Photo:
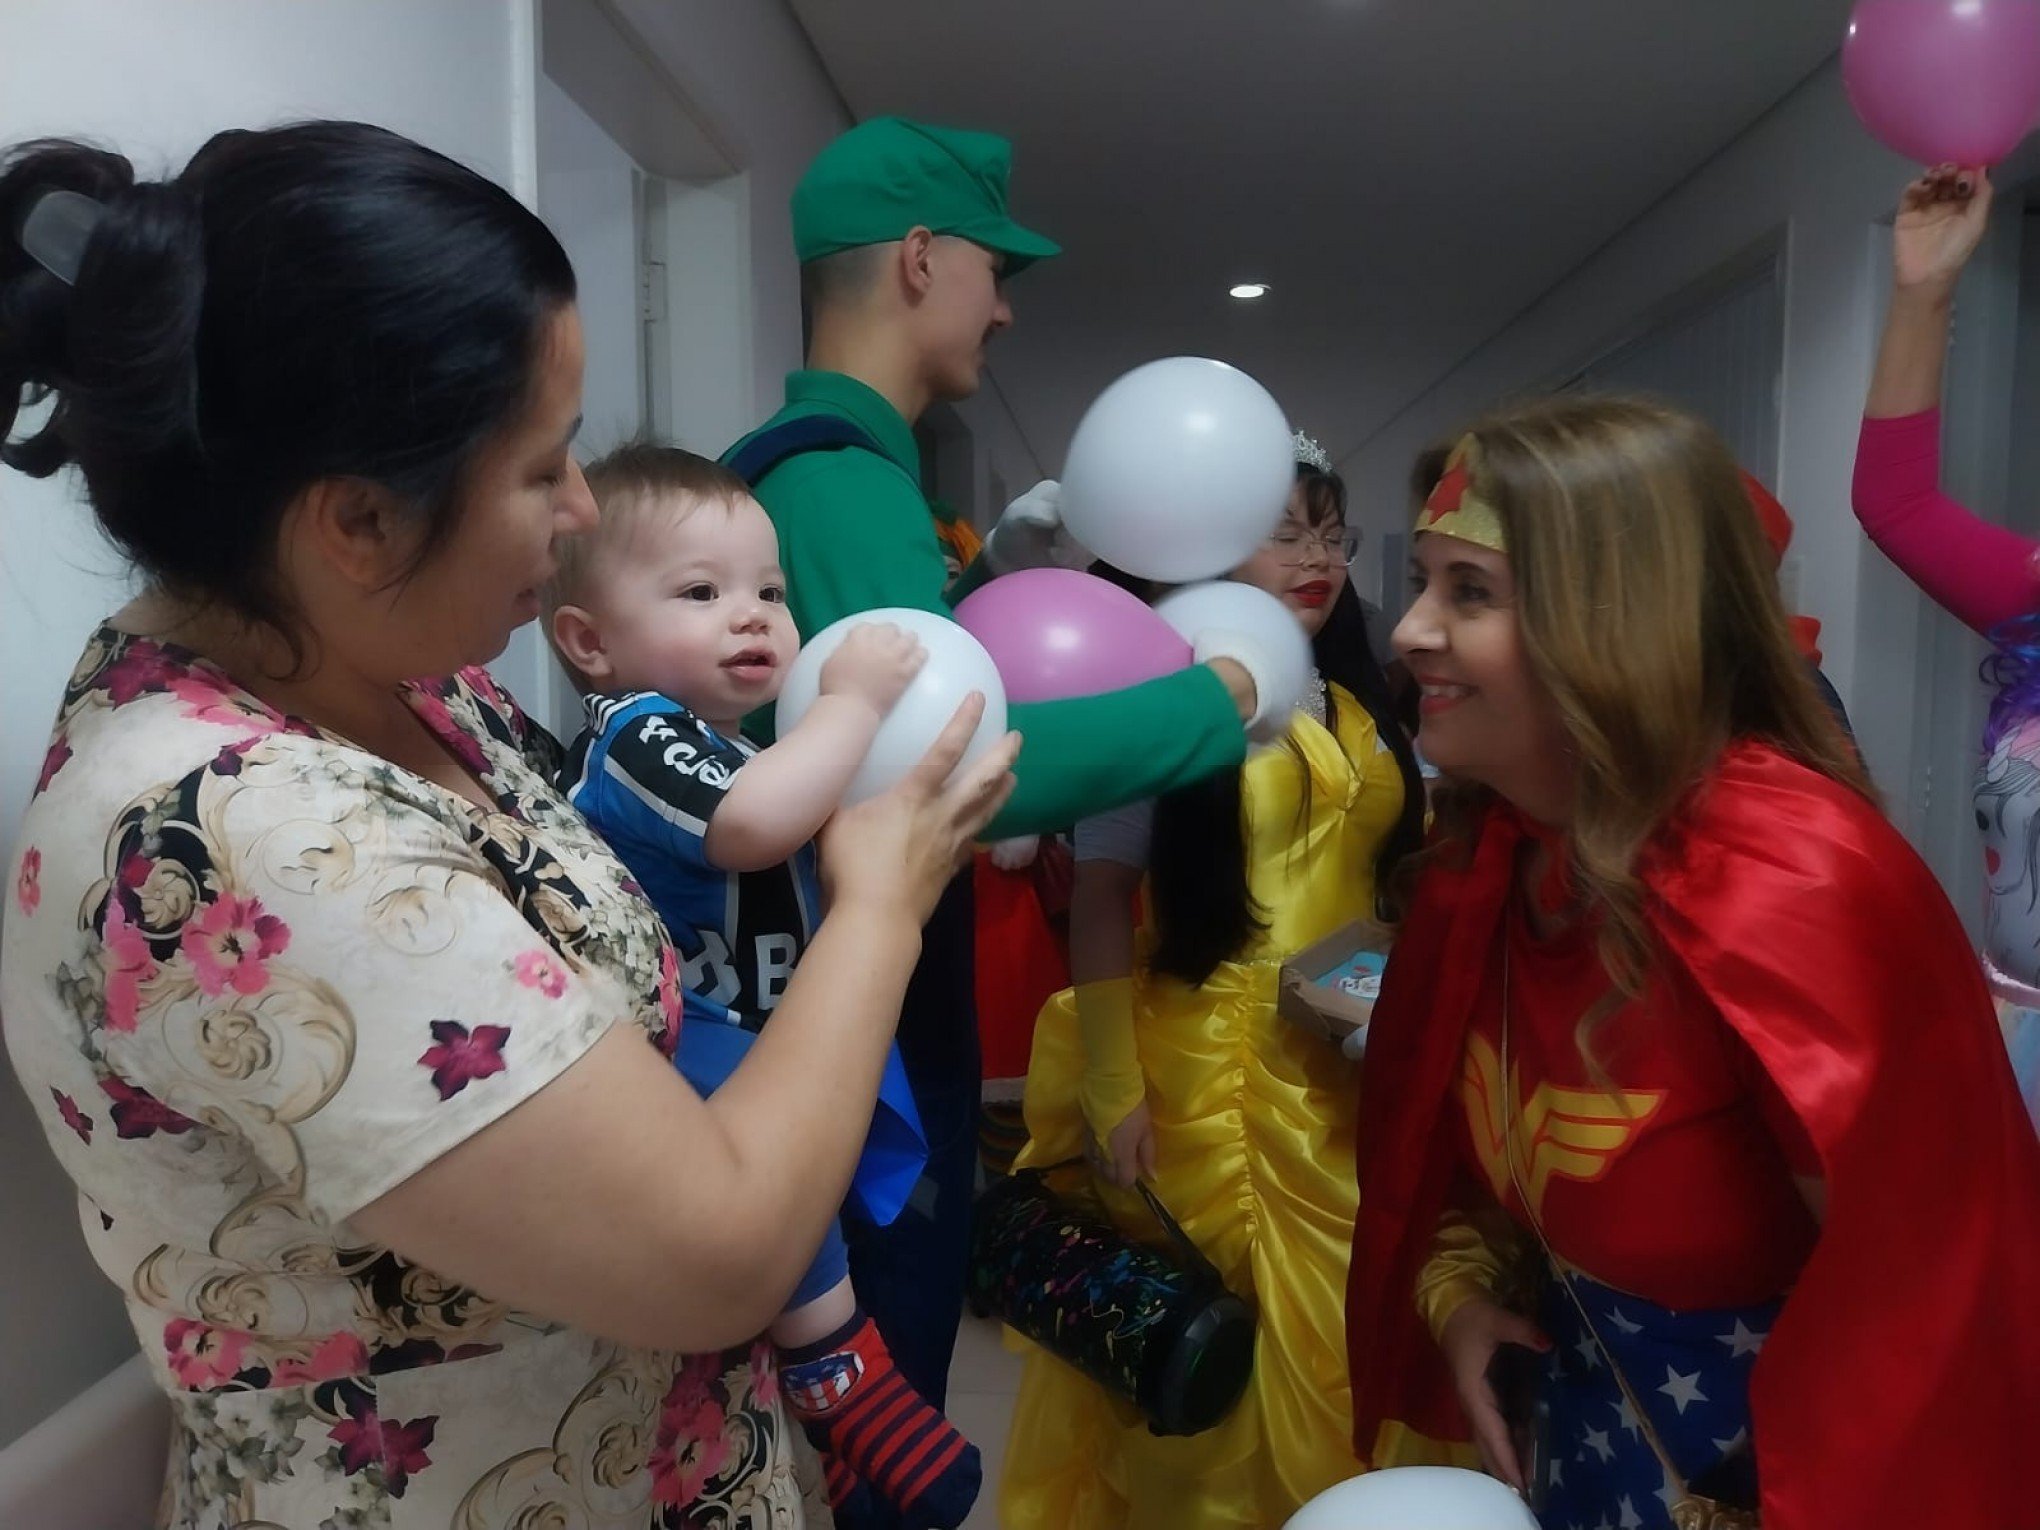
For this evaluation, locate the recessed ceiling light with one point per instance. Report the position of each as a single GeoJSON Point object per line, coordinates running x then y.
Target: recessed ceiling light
{"type": "Point", "coordinates": [1246, 292]}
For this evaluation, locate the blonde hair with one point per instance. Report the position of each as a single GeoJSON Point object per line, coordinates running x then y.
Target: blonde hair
{"type": "Point", "coordinates": [1650, 612]}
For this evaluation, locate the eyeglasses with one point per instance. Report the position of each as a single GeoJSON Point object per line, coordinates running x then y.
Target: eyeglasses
{"type": "Point", "coordinates": [1294, 547]}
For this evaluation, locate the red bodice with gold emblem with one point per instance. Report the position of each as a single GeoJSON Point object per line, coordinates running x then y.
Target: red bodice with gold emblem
{"type": "Point", "coordinates": [1669, 1175]}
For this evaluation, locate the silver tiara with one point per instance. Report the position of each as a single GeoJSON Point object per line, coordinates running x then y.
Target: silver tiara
{"type": "Point", "coordinates": [56, 229]}
{"type": "Point", "coordinates": [1309, 454]}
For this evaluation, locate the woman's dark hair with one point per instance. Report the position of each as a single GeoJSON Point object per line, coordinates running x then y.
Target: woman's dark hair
{"type": "Point", "coordinates": [325, 300]}
{"type": "Point", "coordinates": [1197, 863]}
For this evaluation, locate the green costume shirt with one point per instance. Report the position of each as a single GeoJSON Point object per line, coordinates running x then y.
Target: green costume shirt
{"type": "Point", "coordinates": [856, 534]}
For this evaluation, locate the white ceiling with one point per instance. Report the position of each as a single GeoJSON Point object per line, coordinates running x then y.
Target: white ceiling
{"type": "Point", "coordinates": [1406, 174]}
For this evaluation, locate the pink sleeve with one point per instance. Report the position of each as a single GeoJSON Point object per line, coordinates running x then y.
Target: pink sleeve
{"type": "Point", "coordinates": [1982, 574]}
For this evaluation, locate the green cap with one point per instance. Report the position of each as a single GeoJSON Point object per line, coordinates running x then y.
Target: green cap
{"type": "Point", "coordinates": [889, 175]}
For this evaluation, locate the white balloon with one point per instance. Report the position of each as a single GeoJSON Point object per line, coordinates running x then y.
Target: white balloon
{"type": "Point", "coordinates": [1224, 605]}
{"type": "Point", "coordinates": [1416, 1498]}
{"type": "Point", "coordinates": [957, 664]}
{"type": "Point", "coordinates": [1179, 470]}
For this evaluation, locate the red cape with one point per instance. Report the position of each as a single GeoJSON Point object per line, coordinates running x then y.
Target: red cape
{"type": "Point", "coordinates": [1901, 1385]}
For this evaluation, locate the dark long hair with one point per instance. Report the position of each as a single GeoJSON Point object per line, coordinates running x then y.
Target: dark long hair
{"type": "Point", "coordinates": [1203, 911]}
{"type": "Point", "coordinates": [326, 300]}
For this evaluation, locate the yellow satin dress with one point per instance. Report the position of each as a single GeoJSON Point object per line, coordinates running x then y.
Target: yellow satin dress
{"type": "Point", "coordinates": [1254, 1140]}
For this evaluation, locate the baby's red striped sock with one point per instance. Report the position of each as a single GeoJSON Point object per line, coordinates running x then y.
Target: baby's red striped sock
{"type": "Point", "coordinates": [840, 1484]}
{"type": "Point", "coordinates": [862, 1413]}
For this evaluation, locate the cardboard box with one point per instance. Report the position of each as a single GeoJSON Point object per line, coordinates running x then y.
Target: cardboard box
{"type": "Point", "coordinates": [1329, 987]}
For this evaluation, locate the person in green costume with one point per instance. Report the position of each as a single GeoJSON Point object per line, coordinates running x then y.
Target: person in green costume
{"type": "Point", "coordinates": [905, 247]}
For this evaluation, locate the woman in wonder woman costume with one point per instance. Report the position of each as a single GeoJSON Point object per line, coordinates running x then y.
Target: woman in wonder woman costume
{"type": "Point", "coordinates": [1683, 1080]}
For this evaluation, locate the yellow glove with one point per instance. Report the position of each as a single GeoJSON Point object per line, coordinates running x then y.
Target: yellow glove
{"type": "Point", "coordinates": [1112, 1084]}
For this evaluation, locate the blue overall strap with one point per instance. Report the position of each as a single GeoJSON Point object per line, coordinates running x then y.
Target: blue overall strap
{"type": "Point", "coordinates": [807, 433]}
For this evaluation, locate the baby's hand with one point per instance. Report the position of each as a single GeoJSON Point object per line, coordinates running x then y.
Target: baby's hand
{"type": "Point", "coordinates": [876, 663]}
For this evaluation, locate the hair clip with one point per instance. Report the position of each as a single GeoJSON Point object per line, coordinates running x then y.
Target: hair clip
{"type": "Point", "coordinates": [56, 229]}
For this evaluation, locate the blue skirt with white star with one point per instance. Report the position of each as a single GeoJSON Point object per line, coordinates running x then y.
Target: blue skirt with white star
{"type": "Point", "coordinates": [1689, 1370]}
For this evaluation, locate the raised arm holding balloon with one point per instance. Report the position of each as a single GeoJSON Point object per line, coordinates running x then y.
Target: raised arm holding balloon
{"type": "Point", "coordinates": [1986, 575]}
{"type": "Point", "coordinates": [905, 259]}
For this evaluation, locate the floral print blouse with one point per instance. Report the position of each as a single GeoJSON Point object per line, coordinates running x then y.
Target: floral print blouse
{"type": "Point", "coordinates": [253, 978]}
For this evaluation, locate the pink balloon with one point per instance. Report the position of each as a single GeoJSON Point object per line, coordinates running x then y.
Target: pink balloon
{"type": "Point", "coordinates": [1055, 633]}
{"type": "Point", "coordinates": [1945, 81]}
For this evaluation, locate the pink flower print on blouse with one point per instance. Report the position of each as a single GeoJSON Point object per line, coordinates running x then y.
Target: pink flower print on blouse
{"type": "Point", "coordinates": [129, 964]}
{"type": "Point", "coordinates": [74, 1118]}
{"type": "Point", "coordinates": [342, 1355]}
{"type": "Point", "coordinates": [671, 1004]}
{"type": "Point", "coordinates": [143, 669]}
{"type": "Point", "coordinates": [541, 970]}
{"type": "Point", "coordinates": [201, 1356]}
{"type": "Point", "coordinates": [460, 1056]}
{"type": "Point", "coordinates": [206, 700]}
{"type": "Point", "coordinates": [28, 884]}
{"type": "Point", "coordinates": [228, 761]}
{"type": "Point", "coordinates": [756, 1385]}
{"type": "Point", "coordinates": [691, 1446]}
{"type": "Point", "coordinates": [53, 761]}
{"type": "Point", "coordinates": [484, 685]}
{"type": "Point", "coordinates": [694, 1384]}
{"type": "Point", "coordinates": [395, 1448]}
{"type": "Point", "coordinates": [138, 1113]}
{"type": "Point", "coordinates": [230, 944]}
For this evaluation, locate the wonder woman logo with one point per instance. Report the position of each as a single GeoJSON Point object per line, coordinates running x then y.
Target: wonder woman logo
{"type": "Point", "coordinates": [1574, 1133]}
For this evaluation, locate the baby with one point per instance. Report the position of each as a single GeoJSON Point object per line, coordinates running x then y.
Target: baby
{"type": "Point", "coordinates": [671, 616]}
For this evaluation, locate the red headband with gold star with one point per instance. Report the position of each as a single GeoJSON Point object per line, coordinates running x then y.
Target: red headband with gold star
{"type": "Point", "coordinates": [1458, 508]}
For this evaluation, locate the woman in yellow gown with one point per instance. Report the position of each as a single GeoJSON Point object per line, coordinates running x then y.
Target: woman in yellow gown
{"type": "Point", "coordinates": [1182, 1071]}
